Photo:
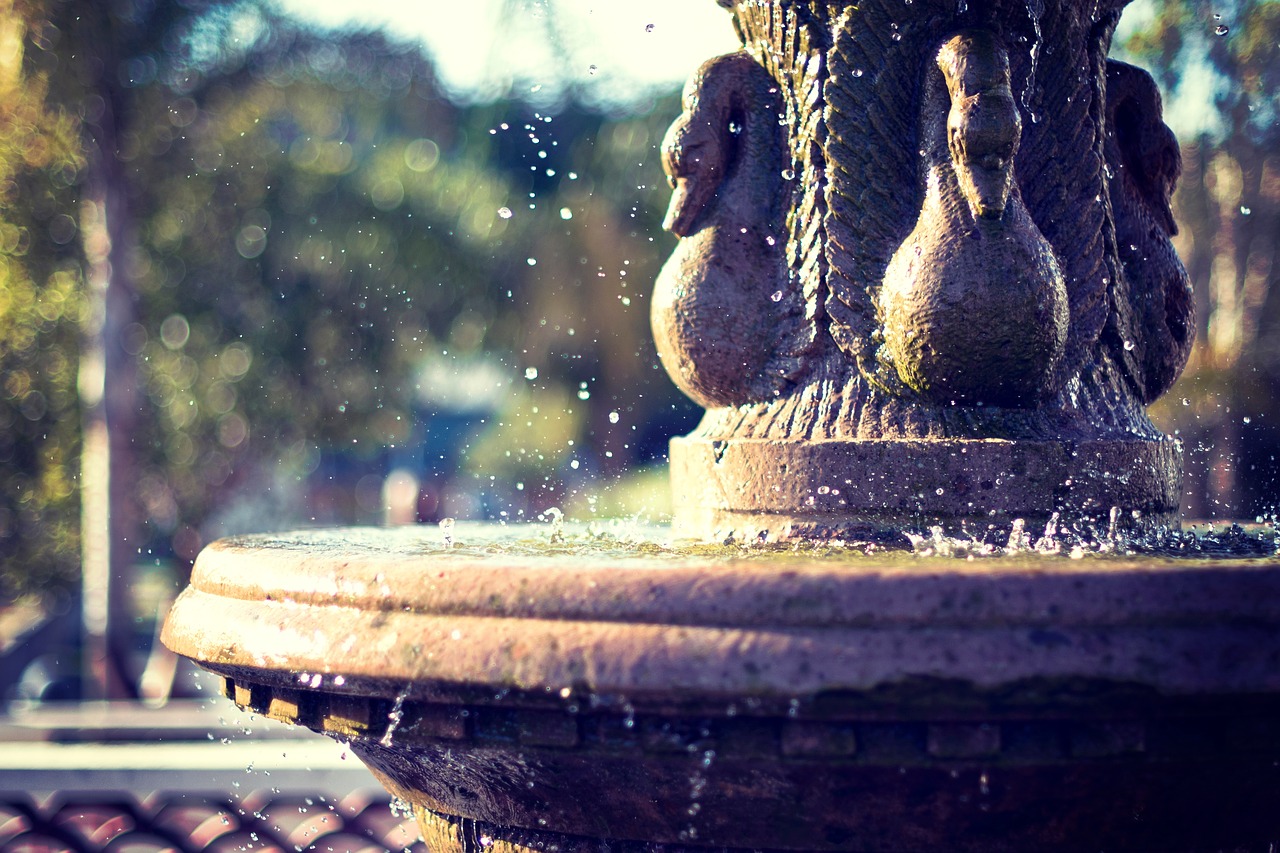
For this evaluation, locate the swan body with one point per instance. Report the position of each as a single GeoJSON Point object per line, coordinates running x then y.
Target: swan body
{"type": "Point", "coordinates": [973, 303]}
{"type": "Point", "coordinates": [719, 300]}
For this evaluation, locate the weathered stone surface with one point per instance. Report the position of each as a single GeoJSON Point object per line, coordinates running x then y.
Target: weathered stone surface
{"type": "Point", "coordinates": [662, 702]}
{"type": "Point", "coordinates": [771, 489]}
{"type": "Point", "coordinates": [972, 243]}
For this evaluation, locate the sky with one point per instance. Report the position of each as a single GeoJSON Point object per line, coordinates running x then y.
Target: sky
{"type": "Point", "coordinates": [614, 50]}
{"type": "Point", "coordinates": [617, 52]}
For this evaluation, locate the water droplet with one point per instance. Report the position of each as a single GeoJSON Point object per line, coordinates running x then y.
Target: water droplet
{"type": "Point", "coordinates": [583, 393]}
{"type": "Point", "coordinates": [1245, 211]}
{"type": "Point", "coordinates": [1186, 402]}
{"type": "Point", "coordinates": [896, 37]}
{"type": "Point", "coordinates": [613, 417]}
{"type": "Point", "coordinates": [396, 714]}
{"type": "Point", "coordinates": [446, 531]}
{"type": "Point", "coordinates": [533, 262]}
{"type": "Point", "coordinates": [566, 213]}
{"type": "Point", "coordinates": [788, 174]}
{"type": "Point", "coordinates": [648, 28]}
{"type": "Point", "coordinates": [531, 373]}
{"type": "Point", "coordinates": [776, 296]}
{"type": "Point", "coordinates": [939, 491]}
{"type": "Point", "coordinates": [1221, 30]}
{"type": "Point", "coordinates": [1248, 419]}
{"type": "Point", "coordinates": [1128, 346]}
{"type": "Point", "coordinates": [857, 72]}
{"type": "Point", "coordinates": [505, 213]}
{"type": "Point", "coordinates": [591, 69]}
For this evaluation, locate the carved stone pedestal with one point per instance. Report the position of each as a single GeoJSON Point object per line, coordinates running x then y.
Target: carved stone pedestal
{"type": "Point", "coordinates": [748, 490]}
{"type": "Point", "coordinates": [924, 248]}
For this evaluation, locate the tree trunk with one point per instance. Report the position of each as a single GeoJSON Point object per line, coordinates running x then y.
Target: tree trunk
{"type": "Point", "coordinates": [112, 519]}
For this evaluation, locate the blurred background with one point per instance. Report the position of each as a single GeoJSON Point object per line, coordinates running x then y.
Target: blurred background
{"type": "Point", "coordinates": [316, 262]}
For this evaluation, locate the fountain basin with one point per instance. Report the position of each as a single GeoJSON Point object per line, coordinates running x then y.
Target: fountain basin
{"type": "Point", "coordinates": [593, 693]}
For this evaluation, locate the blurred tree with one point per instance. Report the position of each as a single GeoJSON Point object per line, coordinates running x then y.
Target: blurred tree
{"type": "Point", "coordinates": [108, 55]}
{"type": "Point", "coordinates": [309, 220]}
{"type": "Point", "coordinates": [279, 229]}
{"type": "Point", "coordinates": [1228, 208]}
{"type": "Point", "coordinates": [40, 312]}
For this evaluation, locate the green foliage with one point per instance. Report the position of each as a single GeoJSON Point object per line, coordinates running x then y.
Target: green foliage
{"type": "Point", "coordinates": [1222, 54]}
{"type": "Point", "coordinates": [304, 223]}
{"type": "Point", "coordinates": [313, 225]}
{"type": "Point", "coordinates": [1219, 67]}
{"type": "Point", "coordinates": [40, 306]}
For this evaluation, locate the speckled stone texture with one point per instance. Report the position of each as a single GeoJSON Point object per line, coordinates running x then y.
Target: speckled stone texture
{"type": "Point", "coordinates": [544, 696]}
{"type": "Point", "coordinates": [942, 223]}
{"type": "Point", "coordinates": [748, 490]}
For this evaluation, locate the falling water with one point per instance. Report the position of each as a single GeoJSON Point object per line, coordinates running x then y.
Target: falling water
{"type": "Point", "coordinates": [1035, 9]}
{"type": "Point", "coordinates": [395, 715]}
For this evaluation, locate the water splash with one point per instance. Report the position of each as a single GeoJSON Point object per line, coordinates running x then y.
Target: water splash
{"type": "Point", "coordinates": [624, 540]}
{"type": "Point", "coordinates": [697, 787]}
{"type": "Point", "coordinates": [555, 517]}
{"type": "Point", "coordinates": [1048, 543]}
{"type": "Point", "coordinates": [1019, 540]}
{"type": "Point", "coordinates": [395, 715]}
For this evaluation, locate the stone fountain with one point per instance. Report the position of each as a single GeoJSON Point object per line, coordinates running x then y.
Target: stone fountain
{"type": "Point", "coordinates": [924, 280]}
{"type": "Point", "coordinates": [924, 274]}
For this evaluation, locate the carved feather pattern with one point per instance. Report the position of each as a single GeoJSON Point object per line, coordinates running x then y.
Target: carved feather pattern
{"type": "Point", "coordinates": [788, 40]}
{"type": "Point", "coordinates": [853, 142]}
{"type": "Point", "coordinates": [874, 190]}
{"type": "Point", "coordinates": [1060, 166]}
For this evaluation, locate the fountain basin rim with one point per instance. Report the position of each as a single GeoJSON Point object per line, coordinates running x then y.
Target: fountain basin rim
{"type": "Point", "coordinates": [686, 663]}
{"type": "Point", "coordinates": [719, 629]}
{"type": "Point", "coordinates": [337, 568]}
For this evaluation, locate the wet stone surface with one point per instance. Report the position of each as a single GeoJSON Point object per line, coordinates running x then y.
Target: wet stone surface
{"type": "Point", "coordinates": [558, 687]}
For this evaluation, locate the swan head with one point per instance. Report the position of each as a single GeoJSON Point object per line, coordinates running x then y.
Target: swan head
{"type": "Point", "coordinates": [983, 125]}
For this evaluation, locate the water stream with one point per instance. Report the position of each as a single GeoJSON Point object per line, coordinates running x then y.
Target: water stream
{"type": "Point", "coordinates": [624, 540]}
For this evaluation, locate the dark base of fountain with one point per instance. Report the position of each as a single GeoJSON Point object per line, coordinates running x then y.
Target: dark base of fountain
{"type": "Point", "coordinates": [587, 697]}
{"type": "Point", "coordinates": [1062, 767]}
{"type": "Point", "coordinates": [856, 490]}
